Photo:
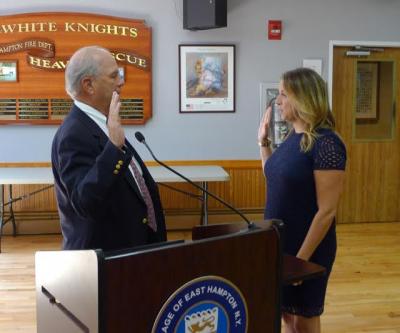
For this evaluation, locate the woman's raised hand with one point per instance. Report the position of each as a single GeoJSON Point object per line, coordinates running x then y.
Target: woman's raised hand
{"type": "Point", "coordinates": [263, 130]}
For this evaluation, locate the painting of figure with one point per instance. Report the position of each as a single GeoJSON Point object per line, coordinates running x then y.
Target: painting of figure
{"type": "Point", "coordinates": [206, 78]}
{"type": "Point", "coordinates": [207, 75]}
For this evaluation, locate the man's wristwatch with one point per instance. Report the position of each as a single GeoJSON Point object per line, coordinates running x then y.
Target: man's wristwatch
{"type": "Point", "coordinates": [265, 142]}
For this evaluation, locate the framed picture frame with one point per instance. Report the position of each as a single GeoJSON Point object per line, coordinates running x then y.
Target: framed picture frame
{"type": "Point", "coordinates": [279, 128]}
{"type": "Point", "coordinates": [268, 92]}
{"type": "Point", "coordinates": [206, 78]}
{"type": "Point", "coordinates": [8, 70]}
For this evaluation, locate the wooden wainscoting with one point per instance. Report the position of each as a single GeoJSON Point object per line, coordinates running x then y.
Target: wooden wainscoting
{"type": "Point", "coordinates": [245, 191]}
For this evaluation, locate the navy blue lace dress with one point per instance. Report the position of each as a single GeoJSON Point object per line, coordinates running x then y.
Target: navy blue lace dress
{"type": "Point", "coordinates": [291, 197]}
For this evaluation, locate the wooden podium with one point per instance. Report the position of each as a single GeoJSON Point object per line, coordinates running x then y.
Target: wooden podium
{"type": "Point", "coordinates": [237, 276]}
{"type": "Point", "coordinates": [293, 269]}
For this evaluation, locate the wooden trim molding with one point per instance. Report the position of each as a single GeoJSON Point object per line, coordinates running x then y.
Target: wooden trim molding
{"type": "Point", "coordinates": [25, 164]}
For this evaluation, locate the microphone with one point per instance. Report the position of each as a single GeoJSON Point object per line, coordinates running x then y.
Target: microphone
{"type": "Point", "coordinates": [139, 136]}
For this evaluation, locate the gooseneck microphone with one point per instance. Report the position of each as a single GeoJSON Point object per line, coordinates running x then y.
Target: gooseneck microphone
{"type": "Point", "coordinates": [139, 136]}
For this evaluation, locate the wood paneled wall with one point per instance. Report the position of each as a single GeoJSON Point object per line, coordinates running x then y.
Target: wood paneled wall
{"type": "Point", "coordinates": [245, 191]}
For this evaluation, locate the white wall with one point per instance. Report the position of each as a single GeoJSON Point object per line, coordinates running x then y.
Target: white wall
{"type": "Point", "coordinates": [308, 25]}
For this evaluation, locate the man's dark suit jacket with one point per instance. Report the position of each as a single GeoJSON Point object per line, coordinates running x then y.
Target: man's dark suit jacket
{"type": "Point", "coordinates": [99, 203]}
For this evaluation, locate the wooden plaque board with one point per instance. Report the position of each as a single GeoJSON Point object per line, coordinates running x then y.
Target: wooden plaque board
{"type": "Point", "coordinates": [35, 48]}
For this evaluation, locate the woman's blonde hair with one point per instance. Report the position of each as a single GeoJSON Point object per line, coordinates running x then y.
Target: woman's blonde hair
{"type": "Point", "coordinates": [307, 92]}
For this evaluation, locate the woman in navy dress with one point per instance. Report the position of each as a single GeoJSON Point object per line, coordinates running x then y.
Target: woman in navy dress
{"type": "Point", "coordinates": [304, 181]}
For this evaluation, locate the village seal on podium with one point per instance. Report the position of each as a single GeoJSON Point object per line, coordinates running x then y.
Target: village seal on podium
{"type": "Point", "coordinates": [208, 304]}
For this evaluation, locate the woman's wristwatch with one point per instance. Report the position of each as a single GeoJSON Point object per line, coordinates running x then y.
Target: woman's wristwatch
{"type": "Point", "coordinates": [265, 142]}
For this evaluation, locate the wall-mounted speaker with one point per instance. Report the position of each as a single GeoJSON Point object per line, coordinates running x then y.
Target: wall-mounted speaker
{"type": "Point", "coordinates": [204, 14]}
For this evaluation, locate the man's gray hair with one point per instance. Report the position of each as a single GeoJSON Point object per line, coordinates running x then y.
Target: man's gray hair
{"type": "Point", "coordinates": [84, 62]}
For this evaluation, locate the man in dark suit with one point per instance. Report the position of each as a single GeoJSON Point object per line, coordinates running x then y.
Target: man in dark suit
{"type": "Point", "coordinates": [101, 200]}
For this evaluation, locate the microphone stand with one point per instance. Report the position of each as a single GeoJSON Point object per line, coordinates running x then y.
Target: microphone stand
{"type": "Point", "coordinates": [141, 139]}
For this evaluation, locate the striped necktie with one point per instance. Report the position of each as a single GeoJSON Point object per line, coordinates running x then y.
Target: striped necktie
{"type": "Point", "coordinates": [151, 216]}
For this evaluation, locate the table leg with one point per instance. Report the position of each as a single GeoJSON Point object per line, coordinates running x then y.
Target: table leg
{"type": "Point", "coordinates": [205, 204]}
{"type": "Point", "coordinates": [12, 216]}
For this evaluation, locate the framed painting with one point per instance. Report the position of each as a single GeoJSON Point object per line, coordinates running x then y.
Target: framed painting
{"type": "Point", "coordinates": [206, 78]}
{"type": "Point", "coordinates": [8, 70]}
{"type": "Point", "coordinates": [268, 94]}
